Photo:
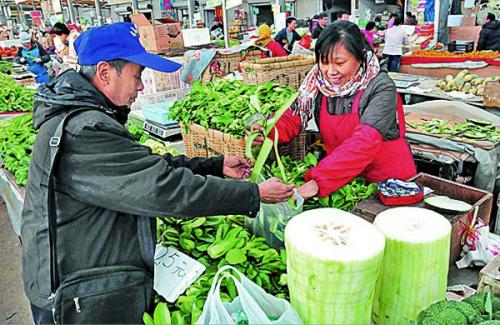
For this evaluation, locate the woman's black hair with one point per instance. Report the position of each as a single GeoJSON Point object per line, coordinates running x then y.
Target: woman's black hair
{"type": "Point", "coordinates": [342, 33]}
{"type": "Point", "coordinates": [397, 21]}
{"type": "Point", "coordinates": [60, 29]}
{"type": "Point", "coordinates": [370, 25]}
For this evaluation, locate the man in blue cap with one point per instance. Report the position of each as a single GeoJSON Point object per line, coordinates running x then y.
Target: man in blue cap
{"type": "Point", "coordinates": [88, 244]}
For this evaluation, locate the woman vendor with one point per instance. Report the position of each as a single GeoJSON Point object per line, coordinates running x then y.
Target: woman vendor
{"type": "Point", "coordinates": [357, 110]}
{"type": "Point", "coordinates": [265, 40]}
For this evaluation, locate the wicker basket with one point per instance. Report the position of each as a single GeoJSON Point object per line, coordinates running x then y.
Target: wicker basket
{"type": "Point", "coordinates": [287, 71]}
{"type": "Point", "coordinates": [200, 142]}
{"type": "Point", "coordinates": [223, 64]}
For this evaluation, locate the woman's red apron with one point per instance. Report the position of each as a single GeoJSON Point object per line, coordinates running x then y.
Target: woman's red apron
{"type": "Point", "coordinates": [394, 158]}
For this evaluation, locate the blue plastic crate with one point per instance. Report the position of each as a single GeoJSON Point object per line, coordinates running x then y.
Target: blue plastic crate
{"type": "Point", "coordinates": [158, 113]}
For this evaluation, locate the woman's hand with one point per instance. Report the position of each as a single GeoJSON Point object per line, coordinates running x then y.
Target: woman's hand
{"type": "Point", "coordinates": [260, 139]}
{"type": "Point", "coordinates": [308, 190]}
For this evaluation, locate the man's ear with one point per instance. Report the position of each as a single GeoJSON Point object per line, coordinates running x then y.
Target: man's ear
{"type": "Point", "coordinates": [103, 73]}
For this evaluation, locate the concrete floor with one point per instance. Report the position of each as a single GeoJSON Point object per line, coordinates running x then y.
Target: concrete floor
{"type": "Point", "coordinates": [14, 306]}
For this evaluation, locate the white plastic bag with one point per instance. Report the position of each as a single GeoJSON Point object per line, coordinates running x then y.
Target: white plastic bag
{"type": "Point", "coordinates": [252, 305]}
{"type": "Point", "coordinates": [272, 219]}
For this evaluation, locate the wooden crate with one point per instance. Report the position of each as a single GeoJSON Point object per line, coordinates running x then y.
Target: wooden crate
{"type": "Point", "coordinates": [490, 277]}
{"type": "Point", "coordinates": [201, 142]}
{"type": "Point", "coordinates": [491, 98]}
{"type": "Point", "coordinates": [370, 208]}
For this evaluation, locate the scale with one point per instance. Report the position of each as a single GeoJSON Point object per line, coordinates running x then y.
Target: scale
{"type": "Point", "coordinates": [161, 131]}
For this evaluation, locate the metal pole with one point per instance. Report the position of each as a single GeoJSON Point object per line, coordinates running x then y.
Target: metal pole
{"type": "Point", "coordinates": [21, 15]}
{"type": "Point", "coordinates": [71, 10]}
{"type": "Point", "coordinates": [190, 4]}
{"type": "Point", "coordinates": [98, 12]}
{"type": "Point", "coordinates": [135, 5]}
{"type": "Point", "coordinates": [224, 22]}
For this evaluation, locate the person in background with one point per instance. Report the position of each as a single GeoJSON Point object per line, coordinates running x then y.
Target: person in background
{"type": "Point", "coordinates": [357, 110]}
{"type": "Point", "coordinates": [395, 38]}
{"type": "Point", "coordinates": [313, 23]}
{"type": "Point", "coordinates": [288, 36]}
{"type": "Point", "coordinates": [65, 49]}
{"type": "Point", "coordinates": [390, 23]}
{"type": "Point", "coordinates": [322, 21]}
{"type": "Point", "coordinates": [217, 29]}
{"type": "Point", "coordinates": [369, 32]}
{"type": "Point", "coordinates": [340, 15]}
{"type": "Point", "coordinates": [489, 37]}
{"type": "Point", "coordinates": [48, 42]}
{"type": "Point", "coordinates": [411, 19]}
{"type": "Point", "coordinates": [34, 56]}
{"type": "Point", "coordinates": [265, 40]}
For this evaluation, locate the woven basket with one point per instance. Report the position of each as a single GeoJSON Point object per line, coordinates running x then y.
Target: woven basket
{"type": "Point", "coordinates": [200, 142]}
{"type": "Point", "coordinates": [223, 64]}
{"type": "Point", "coordinates": [287, 71]}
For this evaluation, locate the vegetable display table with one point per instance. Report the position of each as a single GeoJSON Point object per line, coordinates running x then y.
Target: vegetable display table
{"type": "Point", "coordinates": [370, 208]}
{"type": "Point", "coordinates": [13, 196]}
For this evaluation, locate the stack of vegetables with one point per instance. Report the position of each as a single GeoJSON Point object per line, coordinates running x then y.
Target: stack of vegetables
{"type": "Point", "coordinates": [414, 269]}
{"type": "Point", "coordinates": [6, 52]}
{"type": "Point", "coordinates": [14, 97]}
{"type": "Point", "coordinates": [229, 106]}
{"type": "Point", "coordinates": [481, 308]}
{"type": "Point", "coordinates": [17, 137]}
{"type": "Point", "coordinates": [6, 67]}
{"type": "Point", "coordinates": [465, 82]}
{"type": "Point", "coordinates": [470, 129]}
{"type": "Point", "coordinates": [333, 259]}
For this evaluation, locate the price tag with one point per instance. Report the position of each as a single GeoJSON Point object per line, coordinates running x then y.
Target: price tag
{"type": "Point", "coordinates": [174, 272]}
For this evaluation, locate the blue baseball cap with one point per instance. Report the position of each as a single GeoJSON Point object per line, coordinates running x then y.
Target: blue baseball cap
{"type": "Point", "coordinates": [118, 41]}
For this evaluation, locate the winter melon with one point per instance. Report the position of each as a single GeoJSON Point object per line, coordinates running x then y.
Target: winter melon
{"type": "Point", "coordinates": [415, 266]}
{"type": "Point", "coordinates": [333, 259]}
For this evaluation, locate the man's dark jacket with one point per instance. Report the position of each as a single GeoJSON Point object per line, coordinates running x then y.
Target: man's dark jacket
{"type": "Point", "coordinates": [489, 37]}
{"type": "Point", "coordinates": [282, 39]}
{"type": "Point", "coordinates": [103, 180]}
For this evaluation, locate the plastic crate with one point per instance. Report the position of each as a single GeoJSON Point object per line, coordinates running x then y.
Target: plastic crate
{"type": "Point", "coordinates": [158, 113]}
{"type": "Point", "coordinates": [461, 46]}
{"type": "Point", "coordinates": [161, 97]}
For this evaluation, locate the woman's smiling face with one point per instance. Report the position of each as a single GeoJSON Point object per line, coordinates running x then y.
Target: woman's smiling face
{"type": "Point", "coordinates": [340, 66]}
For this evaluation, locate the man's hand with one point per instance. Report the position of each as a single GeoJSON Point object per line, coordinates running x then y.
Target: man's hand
{"type": "Point", "coordinates": [308, 190]}
{"type": "Point", "coordinates": [274, 190]}
{"type": "Point", "coordinates": [236, 167]}
{"type": "Point", "coordinates": [38, 60]}
{"type": "Point", "coordinates": [22, 60]}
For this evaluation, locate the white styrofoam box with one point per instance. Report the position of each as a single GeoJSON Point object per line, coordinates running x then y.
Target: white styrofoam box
{"type": "Point", "coordinates": [160, 97]}
{"type": "Point", "coordinates": [455, 20]}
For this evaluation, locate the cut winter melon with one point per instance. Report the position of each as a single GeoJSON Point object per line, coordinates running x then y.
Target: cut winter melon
{"type": "Point", "coordinates": [333, 259]}
{"type": "Point", "coordinates": [448, 205]}
{"type": "Point", "coordinates": [415, 265]}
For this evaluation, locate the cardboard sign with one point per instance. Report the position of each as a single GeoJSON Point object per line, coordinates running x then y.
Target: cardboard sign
{"type": "Point", "coordinates": [195, 36]}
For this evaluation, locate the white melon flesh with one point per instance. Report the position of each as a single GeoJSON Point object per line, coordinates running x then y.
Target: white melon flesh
{"type": "Point", "coordinates": [333, 259]}
{"type": "Point", "coordinates": [415, 265]}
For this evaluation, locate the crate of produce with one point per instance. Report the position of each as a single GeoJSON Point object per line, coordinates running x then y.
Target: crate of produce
{"type": "Point", "coordinates": [370, 208]}
{"type": "Point", "coordinates": [287, 71]}
{"type": "Point", "coordinates": [223, 64]}
{"type": "Point", "coordinates": [201, 142]}
{"type": "Point", "coordinates": [491, 95]}
{"type": "Point", "coordinates": [461, 46]}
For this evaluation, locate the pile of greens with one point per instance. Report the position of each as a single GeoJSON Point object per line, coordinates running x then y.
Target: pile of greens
{"type": "Point", "coordinates": [481, 308]}
{"type": "Point", "coordinates": [215, 242]}
{"type": "Point", "coordinates": [137, 132]}
{"type": "Point", "coordinates": [229, 106]}
{"type": "Point", "coordinates": [471, 129]}
{"type": "Point", "coordinates": [17, 137]}
{"type": "Point", "coordinates": [344, 198]}
{"type": "Point", "coordinates": [6, 67]}
{"type": "Point", "coordinates": [14, 97]}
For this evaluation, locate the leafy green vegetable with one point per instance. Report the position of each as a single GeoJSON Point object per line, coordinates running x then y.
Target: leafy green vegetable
{"type": "Point", "coordinates": [228, 106]}
{"type": "Point", "coordinates": [14, 97]}
{"type": "Point", "coordinates": [476, 130]}
{"type": "Point", "coordinates": [137, 132]}
{"type": "Point", "coordinates": [17, 137]}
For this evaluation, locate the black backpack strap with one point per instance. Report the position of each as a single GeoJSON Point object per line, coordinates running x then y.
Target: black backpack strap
{"type": "Point", "coordinates": [143, 223]}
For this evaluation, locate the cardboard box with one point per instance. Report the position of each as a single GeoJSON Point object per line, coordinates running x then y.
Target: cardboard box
{"type": "Point", "coordinates": [158, 37]}
{"type": "Point", "coordinates": [469, 20]}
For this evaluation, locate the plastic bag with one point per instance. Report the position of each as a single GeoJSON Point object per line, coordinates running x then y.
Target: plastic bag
{"type": "Point", "coordinates": [252, 306]}
{"type": "Point", "coordinates": [271, 220]}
